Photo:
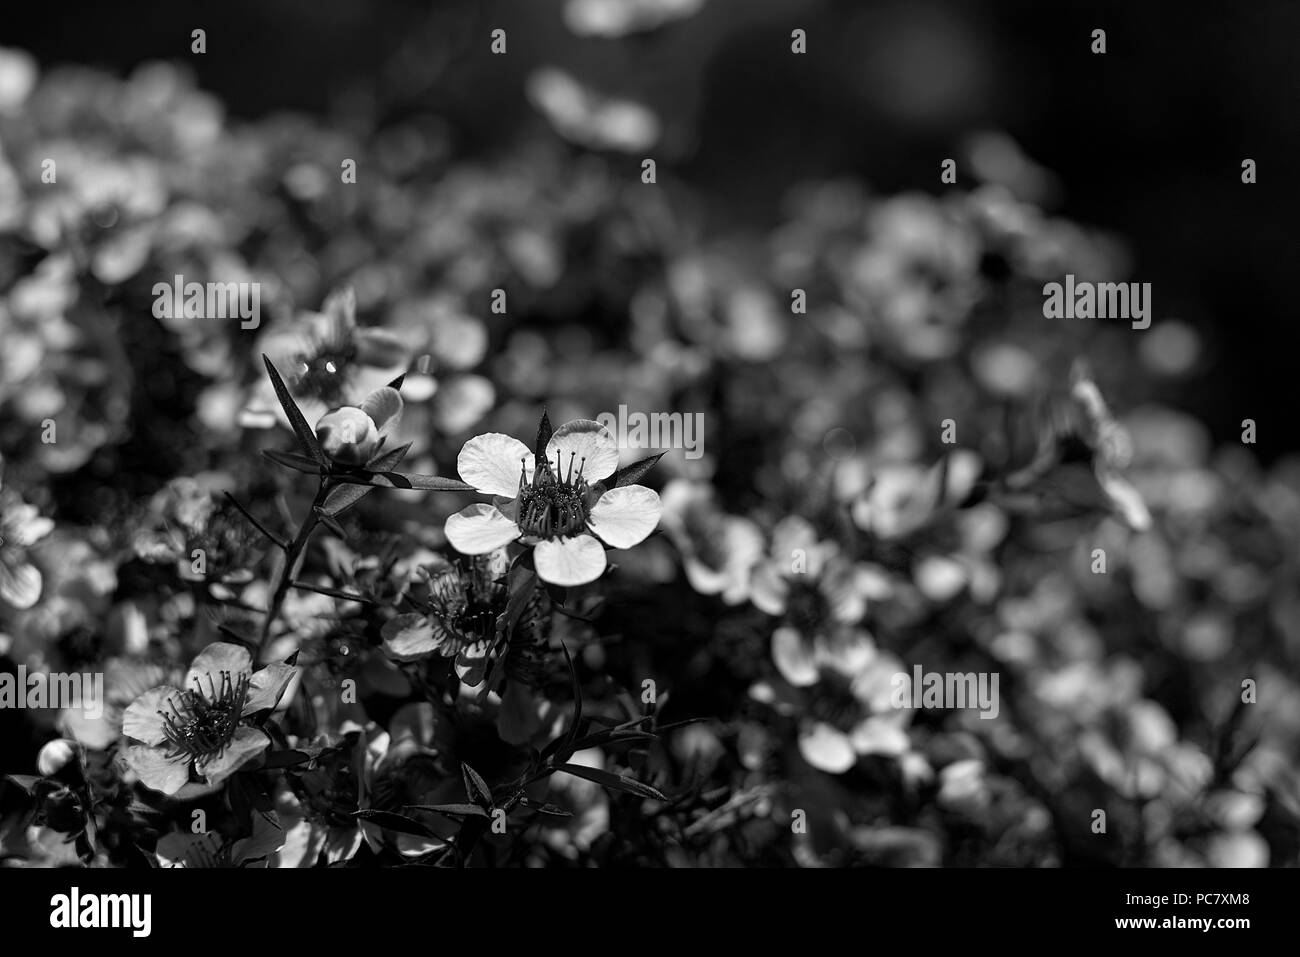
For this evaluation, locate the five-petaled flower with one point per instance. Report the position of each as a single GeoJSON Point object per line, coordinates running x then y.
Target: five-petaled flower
{"type": "Point", "coordinates": [459, 618]}
{"type": "Point", "coordinates": [202, 726]}
{"type": "Point", "coordinates": [554, 501]}
{"type": "Point", "coordinates": [838, 685]}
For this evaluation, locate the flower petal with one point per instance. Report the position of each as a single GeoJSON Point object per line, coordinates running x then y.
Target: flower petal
{"type": "Point", "coordinates": [479, 529]}
{"type": "Point", "coordinates": [880, 734]}
{"type": "Point", "coordinates": [216, 658]}
{"type": "Point", "coordinates": [705, 580]}
{"type": "Point", "coordinates": [20, 584]}
{"type": "Point", "coordinates": [380, 347]}
{"type": "Point", "coordinates": [846, 588]}
{"type": "Point", "coordinates": [743, 545]}
{"type": "Point", "coordinates": [458, 340]}
{"type": "Point", "coordinates": [463, 402]}
{"type": "Point", "coordinates": [623, 517]}
{"type": "Point", "coordinates": [347, 434]}
{"type": "Point", "coordinates": [520, 716]}
{"type": "Point", "coordinates": [156, 770]}
{"type": "Point", "coordinates": [768, 588]}
{"type": "Point", "coordinates": [266, 839]}
{"type": "Point", "coordinates": [141, 719]}
{"type": "Point", "coordinates": [491, 463]}
{"type": "Point", "coordinates": [1124, 498]}
{"type": "Point", "coordinates": [383, 405]}
{"type": "Point", "coordinates": [827, 748]}
{"type": "Point", "coordinates": [849, 651]}
{"type": "Point", "coordinates": [302, 844]}
{"type": "Point", "coordinates": [569, 561]}
{"type": "Point", "coordinates": [793, 532]}
{"type": "Point", "coordinates": [585, 442]}
{"type": "Point", "coordinates": [409, 636]}
{"type": "Point", "coordinates": [247, 744]}
{"type": "Point", "coordinates": [794, 657]}
{"type": "Point", "coordinates": [32, 528]}
{"type": "Point", "coordinates": [341, 844]}
{"type": "Point", "coordinates": [267, 685]}
{"type": "Point", "coordinates": [471, 664]}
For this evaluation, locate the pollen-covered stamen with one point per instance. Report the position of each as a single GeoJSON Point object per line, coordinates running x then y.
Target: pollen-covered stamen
{"type": "Point", "coordinates": [555, 503]}
{"type": "Point", "coordinates": [202, 723]}
{"type": "Point", "coordinates": [478, 622]}
{"type": "Point", "coordinates": [807, 608]}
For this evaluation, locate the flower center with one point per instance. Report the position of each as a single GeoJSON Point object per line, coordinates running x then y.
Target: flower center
{"type": "Point", "coordinates": [806, 608]}
{"type": "Point", "coordinates": [478, 622]}
{"type": "Point", "coordinates": [201, 724]}
{"type": "Point", "coordinates": [467, 603]}
{"type": "Point", "coordinates": [555, 504]}
{"type": "Point", "coordinates": [834, 701]}
{"type": "Point", "coordinates": [322, 370]}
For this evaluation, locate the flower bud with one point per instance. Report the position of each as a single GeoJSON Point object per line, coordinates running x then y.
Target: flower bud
{"type": "Point", "coordinates": [347, 435]}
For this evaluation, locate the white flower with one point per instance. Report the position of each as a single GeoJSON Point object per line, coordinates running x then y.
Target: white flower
{"type": "Point", "coordinates": [840, 687]}
{"type": "Point", "coordinates": [811, 575]}
{"type": "Point", "coordinates": [718, 550]}
{"type": "Point", "coordinates": [560, 508]}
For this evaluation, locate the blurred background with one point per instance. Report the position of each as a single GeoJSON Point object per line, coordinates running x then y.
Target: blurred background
{"type": "Point", "coordinates": [1146, 140]}
{"type": "Point", "coordinates": [478, 173]}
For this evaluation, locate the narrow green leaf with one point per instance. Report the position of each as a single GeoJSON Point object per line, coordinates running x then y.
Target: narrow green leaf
{"type": "Point", "coordinates": [306, 436]}
{"type": "Point", "coordinates": [577, 700]}
{"type": "Point", "coordinates": [293, 460]}
{"type": "Point", "coordinates": [328, 521]}
{"type": "Point", "coordinates": [394, 822]}
{"type": "Point", "coordinates": [476, 787]}
{"type": "Point", "coordinates": [285, 759]}
{"type": "Point", "coordinates": [332, 593]}
{"type": "Point", "coordinates": [390, 459]}
{"type": "Point", "coordinates": [629, 474]}
{"type": "Point", "coordinates": [463, 810]}
{"type": "Point", "coordinates": [611, 737]}
{"type": "Point", "coordinates": [615, 782]}
{"type": "Point", "coordinates": [429, 483]}
{"type": "Point", "coordinates": [25, 781]}
{"type": "Point", "coordinates": [544, 433]}
{"type": "Point", "coordinates": [343, 497]}
{"type": "Point", "coordinates": [550, 809]}
{"type": "Point", "coordinates": [256, 524]}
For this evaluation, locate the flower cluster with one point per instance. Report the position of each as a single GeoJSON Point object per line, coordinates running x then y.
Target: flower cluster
{"type": "Point", "coordinates": [336, 601]}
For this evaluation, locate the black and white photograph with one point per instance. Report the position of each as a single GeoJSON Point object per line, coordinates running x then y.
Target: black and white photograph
{"type": "Point", "coordinates": [444, 435]}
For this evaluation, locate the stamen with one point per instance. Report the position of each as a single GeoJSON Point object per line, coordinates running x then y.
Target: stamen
{"type": "Point", "coordinates": [555, 503]}
{"type": "Point", "coordinates": [201, 725]}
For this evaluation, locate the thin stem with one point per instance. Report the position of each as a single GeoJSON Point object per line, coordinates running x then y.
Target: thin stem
{"type": "Point", "coordinates": [256, 524]}
{"type": "Point", "coordinates": [292, 557]}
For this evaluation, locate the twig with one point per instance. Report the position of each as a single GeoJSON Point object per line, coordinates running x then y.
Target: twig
{"type": "Point", "coordinates": [293, 553]}
{"type": "Point", "coordinates": [283, 545]}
